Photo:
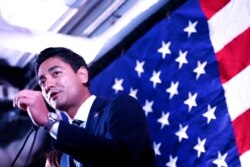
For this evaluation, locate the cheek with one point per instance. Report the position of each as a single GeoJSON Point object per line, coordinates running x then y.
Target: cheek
{"type": "Point", "coordinates": [70, 82]}
{"type": "Point", "coordinates": [75, 89]}
{"type": "Point", "coordinates": [71, 85]}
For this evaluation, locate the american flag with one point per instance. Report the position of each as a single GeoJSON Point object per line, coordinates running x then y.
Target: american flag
{"type": "Point", "coordinates": [190, 73]}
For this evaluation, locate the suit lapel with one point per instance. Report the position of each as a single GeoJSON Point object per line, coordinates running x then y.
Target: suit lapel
{"type": "Point", "coordinates": [95, 113]}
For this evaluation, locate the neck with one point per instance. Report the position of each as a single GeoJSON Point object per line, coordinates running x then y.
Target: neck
{"type": "Point", "coordinates": [73, 110]}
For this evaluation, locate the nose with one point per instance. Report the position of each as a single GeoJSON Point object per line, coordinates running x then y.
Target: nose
{"type": "Point", "coordinates": [50, 83]}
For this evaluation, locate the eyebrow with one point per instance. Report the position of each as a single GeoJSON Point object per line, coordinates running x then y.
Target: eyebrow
{"type": "Point", "coordinates": [49, 70]}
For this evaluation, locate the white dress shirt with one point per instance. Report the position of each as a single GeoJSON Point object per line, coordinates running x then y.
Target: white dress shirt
{"type": "Point", "coordinates": [82, 115]}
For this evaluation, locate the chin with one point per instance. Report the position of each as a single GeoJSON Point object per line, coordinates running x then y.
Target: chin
{"type": "Point", "coordinates": [60, 107]}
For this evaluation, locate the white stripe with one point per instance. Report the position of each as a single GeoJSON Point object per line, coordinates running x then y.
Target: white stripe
{"type": "Point", "coordinates": [229, 22]}
{"type": "Point", "coordinates": [245, 159]}
{"type": "Point", "coordinates": [237, 93]}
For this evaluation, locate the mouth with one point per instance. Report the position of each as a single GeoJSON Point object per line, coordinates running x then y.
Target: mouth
{"type": "Point", "coordinates": [53, 95]}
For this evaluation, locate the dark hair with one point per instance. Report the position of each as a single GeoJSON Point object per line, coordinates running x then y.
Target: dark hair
{"type": "Point", "coordinates": [68, 56]}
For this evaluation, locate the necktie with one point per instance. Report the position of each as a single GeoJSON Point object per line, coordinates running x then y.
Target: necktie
{"type": "Point", "coordinates": [80, 124]}
{"type": "Point", "coordinates": [67, 160]}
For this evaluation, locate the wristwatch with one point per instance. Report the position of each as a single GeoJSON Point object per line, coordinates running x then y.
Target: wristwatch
{"type": "Point", "coordinates": [52, 119]}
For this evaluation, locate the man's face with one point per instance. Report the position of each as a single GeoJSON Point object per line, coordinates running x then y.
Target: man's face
{"type": "Point", "coordinates": [61, 87]}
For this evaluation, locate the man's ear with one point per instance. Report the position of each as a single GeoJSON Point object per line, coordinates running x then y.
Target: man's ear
{"type": "Point", "coordinates": [83, 74]}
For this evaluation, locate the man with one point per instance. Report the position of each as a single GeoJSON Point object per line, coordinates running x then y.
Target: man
{"type": "Point", "coordinates": [114, 132]}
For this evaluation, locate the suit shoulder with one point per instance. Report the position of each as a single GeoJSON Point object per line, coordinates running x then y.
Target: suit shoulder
{"type": "Point", "coordinates": [125, 98]}
{"type": "Point", "coordinates": [126, 102]}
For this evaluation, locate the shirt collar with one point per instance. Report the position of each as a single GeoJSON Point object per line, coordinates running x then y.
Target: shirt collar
{"type": "Point", "coordinates": [83, 112]}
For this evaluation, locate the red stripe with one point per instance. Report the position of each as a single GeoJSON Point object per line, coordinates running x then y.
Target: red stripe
{"type": "Point", "coordinates": [234, 57]}
{"type": "Point", "coordinates": [242, 132]}
{"type": "Point", "coordinates": [210, 7]}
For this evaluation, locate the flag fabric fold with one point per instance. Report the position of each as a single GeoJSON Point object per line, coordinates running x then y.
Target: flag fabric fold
{"type": "Point", "coordinates": [188, 85]}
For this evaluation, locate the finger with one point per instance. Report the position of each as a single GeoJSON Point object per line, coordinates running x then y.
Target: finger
{"type": "Point", "coordinates": [15, 100]}
{"type": "Point", "coordinates": [19, 95]}
{"type": "Point", "coordinates": [21, 101]}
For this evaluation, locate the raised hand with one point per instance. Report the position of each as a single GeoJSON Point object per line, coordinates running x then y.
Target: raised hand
{"type": "Point", "coordinates": [32, 102]}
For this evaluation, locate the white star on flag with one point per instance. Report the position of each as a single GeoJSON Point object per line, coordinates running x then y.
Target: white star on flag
{"type": "Point", "coordinates": [173, 89]}
{"type": "Point", "coordinates": [191, 28]}
{"type": "Point", "coordinates": [139, 67]}
{"type": "Point", "coordinates": [182, 58]}
{"type": "Point", "coordinates": [172, 161]}
{"type": "Point", "coordinates": [133, 92]}
{"type": "Point", "coordinates": [118, 85]}
{"type": "Point", "coordinates": [191, 101]}
{"type": "Point", "coordinates": [200, 146]}
{"type": "Point", "coordinates": [164, 50]}
{"type": "Point", "coordinates": [148, 107]}
{"type": "Point", "coordinates": [210, 113]}
{"type": "Point", "coordinates": [200, 69]}
{"type": "Point", "coordinates": [157, 148]}
{"type": "Point", "coordinates": [220, 161]}
{"type": "Point", "coordinates": [182, 132]}
{"type": "Point", "coordinates": [164, 119]}
{"type": "Point", "coordinates": [156, 78]}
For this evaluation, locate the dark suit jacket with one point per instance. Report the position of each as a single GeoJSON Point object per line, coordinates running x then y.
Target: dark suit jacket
{"type": "Point", "coordinates": [116, 135]}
